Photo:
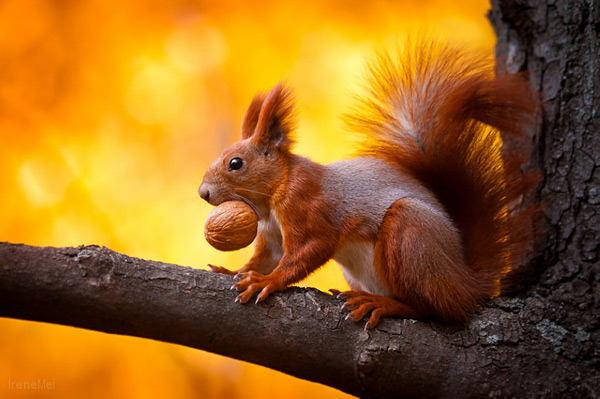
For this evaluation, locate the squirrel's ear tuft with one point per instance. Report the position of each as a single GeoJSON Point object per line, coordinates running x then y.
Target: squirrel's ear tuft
{"type": "Point", "coordinates": [275, 119]}
{"type": "Point", "coordinates": [251, 116]}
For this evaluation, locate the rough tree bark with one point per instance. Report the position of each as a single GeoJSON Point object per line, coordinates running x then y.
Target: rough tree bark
{"type": "Point", "coordinates": [558, 43]}
{"type": "Point", "coordinates": [542, 341]}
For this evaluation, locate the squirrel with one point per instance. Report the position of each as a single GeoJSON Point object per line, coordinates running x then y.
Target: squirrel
{"type": "Point", "coordinates": [424, 221]}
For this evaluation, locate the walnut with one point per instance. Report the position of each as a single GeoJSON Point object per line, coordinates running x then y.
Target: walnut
{"type": "Point", "coordinates": [231, 226]}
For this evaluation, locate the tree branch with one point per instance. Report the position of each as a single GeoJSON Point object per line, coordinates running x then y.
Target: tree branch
{"type": "Point", "coordinates": [301, 331]}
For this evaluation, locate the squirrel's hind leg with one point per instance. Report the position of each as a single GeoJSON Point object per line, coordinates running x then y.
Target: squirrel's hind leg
{"type": "Point", "coordinates": [418, 258]}
{"type": "Point", "coordinates": [418, 254]}
{"type": "Point", "coordinates": [361, 302]}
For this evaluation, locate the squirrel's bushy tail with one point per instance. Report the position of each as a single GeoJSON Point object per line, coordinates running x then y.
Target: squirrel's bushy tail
{"type": "Point", "coordinates": [435, 112]}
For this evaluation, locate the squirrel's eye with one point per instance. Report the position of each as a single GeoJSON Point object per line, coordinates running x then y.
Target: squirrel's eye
{"type": "Point", "coordinates": [235, 164]}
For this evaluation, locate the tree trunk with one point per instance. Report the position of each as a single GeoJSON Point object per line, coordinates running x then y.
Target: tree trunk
{"type": "Point", "coordinates": [541, 342]}
{"type": "Point", "coordinates": [558, 43]}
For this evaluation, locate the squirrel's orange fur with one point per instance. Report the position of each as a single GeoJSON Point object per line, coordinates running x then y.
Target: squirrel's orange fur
{"type": "Point", "coordinates": [429, 216]}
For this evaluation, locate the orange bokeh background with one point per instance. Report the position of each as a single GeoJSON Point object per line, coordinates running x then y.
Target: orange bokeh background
{"type": "Point", "coordinates": [109, 114]}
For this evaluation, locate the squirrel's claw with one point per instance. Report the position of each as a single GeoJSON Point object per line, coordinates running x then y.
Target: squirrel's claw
{"type": "Point", "coordinates": [262, 296]}
{"type": "Point", "coordinates": [374, 319]}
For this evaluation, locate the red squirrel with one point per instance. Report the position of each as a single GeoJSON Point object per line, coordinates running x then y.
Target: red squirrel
{"type": "Point", "coordinates": [427, 218]}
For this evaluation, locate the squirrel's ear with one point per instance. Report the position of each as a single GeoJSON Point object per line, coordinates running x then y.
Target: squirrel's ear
{"type": "Point", "coordinates": [251, 116]}
{"type": "Point", "coordinates": [276, 119]}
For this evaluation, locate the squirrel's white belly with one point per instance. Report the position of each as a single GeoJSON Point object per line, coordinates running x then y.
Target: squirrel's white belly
{"type": "Point", "coordinates": [356, 260]}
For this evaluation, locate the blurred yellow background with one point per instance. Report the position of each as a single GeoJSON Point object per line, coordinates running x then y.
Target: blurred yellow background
{"type": "Point", "coordinates": [109, 114]}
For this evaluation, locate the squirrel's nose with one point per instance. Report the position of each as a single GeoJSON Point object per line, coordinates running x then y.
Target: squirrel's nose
{"type": "Point", "coordinates": [204, 192]}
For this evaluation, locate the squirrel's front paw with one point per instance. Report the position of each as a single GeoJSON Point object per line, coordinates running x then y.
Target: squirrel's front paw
{"type": "Point", "coordinates": [252, 282]}
{"type": "Point", "coordinates": [221, 270]}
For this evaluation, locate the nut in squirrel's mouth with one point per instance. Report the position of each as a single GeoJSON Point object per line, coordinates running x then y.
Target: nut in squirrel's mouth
{"type": "Point", "coordinates": [231, 226]}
